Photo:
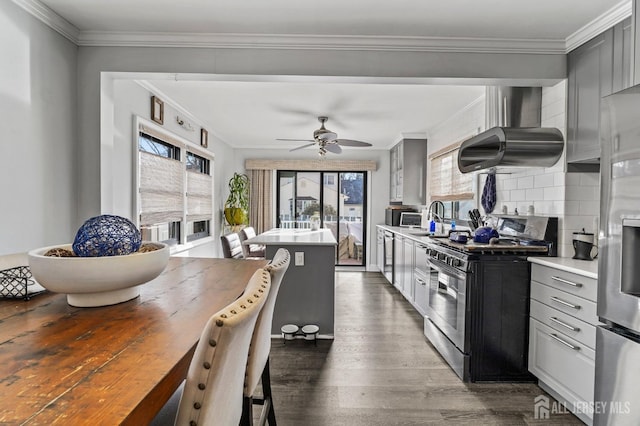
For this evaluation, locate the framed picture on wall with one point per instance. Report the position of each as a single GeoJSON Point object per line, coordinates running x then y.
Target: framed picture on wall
{"type": "Point", "coordinates": [204, 138]}
{"type": "Point", "coordinates": [157, 110]}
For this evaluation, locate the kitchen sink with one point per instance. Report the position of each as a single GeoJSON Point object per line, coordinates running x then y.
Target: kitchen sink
{"type": "Point", "coordinates": [420, 234]}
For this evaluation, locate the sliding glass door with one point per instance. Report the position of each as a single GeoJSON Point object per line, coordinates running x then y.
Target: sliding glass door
{"type": "Point", "coordinates": [337, 198]}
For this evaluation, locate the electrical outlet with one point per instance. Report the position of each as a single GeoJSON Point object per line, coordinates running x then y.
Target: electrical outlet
{"type": "Point", "coordinates": [299, 260]}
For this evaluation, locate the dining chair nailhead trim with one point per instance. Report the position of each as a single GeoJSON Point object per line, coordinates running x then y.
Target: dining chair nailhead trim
{"type": "Point", "coordinates": [201, 386]}
{"type": "Point", "coordinates": [197, 405]}
{"type": "Point", "coordinates": [193, 423]}
{"type": "Point", "coordinates": [206, 365]}
{"type": "Point", "coordinates": [212, 342]}
{"type": "Point", "coordinates": [219, 323]}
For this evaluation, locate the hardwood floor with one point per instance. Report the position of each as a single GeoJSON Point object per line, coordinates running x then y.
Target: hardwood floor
{"type": "Point", "coordinates": [380, 370]}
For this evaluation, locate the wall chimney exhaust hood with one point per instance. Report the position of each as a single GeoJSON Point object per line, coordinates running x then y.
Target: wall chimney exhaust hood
{"type": "Point", "coordinates": [517, 140]}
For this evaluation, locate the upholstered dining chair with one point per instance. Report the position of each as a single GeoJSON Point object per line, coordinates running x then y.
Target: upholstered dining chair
{"type": "Point", "coordinates": [251, 250]}
{"type": "Point", "coordinates": [212, 392]}
{"type": "Point", "coordinates": [231, 246]}
{"type": "Point", "coordinates": [258, 362]}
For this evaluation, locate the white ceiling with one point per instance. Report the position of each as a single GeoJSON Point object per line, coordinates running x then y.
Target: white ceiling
{"type": "Point", "coordinates": [254, 114]}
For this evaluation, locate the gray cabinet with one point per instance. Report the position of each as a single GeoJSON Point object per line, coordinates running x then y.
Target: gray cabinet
{"type": "Point", "coordinates": [562, 336]}
{"type": "Point", "coordinates": [590, 77]}
{"type": "Point", "coordinates": [622, 55]}
{"type": "Point", "coordinates": [408, 172]}
{"type": "Point", "coordinates": [596, 69]}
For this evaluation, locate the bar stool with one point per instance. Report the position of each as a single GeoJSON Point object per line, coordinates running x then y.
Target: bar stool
{"type": "Point", "coordinates": [231, 246]}
{"type": "Point", "coordinates": [251, 250]}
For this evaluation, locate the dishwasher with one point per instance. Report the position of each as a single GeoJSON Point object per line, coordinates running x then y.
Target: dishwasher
{"type": "Point", "coordinates": [388, 256]}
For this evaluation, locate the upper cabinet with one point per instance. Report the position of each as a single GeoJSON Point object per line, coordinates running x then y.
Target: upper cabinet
{"type": "Point", "coordinates": [596, 69]}
{"type": "Point", "coordinates": [408, 168]}
{"type": "Point", "coordinates": [622, 55]}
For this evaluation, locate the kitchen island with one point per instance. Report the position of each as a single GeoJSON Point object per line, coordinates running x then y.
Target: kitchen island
{"type": "Point", "coordinates": [306, 295]}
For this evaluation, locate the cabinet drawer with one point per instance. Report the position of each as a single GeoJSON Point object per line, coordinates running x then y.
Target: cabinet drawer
{"type": "Point", "coordinates": [566, 281]}
{"type": "Point", "coordinates": [568, 303]}
{"type": "Point", "coordinates": [571, 372]}
{"type": "Point", "coordinates": [581, 331]}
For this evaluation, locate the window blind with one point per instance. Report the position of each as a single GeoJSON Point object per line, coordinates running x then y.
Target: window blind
{"type": "Point", "coordinates": [161, 189]}
{"type": "Point", "coordinates": [446, 182]}
{"type": "Point", "coordinates": [199, 199]}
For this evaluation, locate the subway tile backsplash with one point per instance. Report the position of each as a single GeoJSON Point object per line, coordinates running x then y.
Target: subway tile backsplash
{"type": "Point", "coordinates": [573, 197]}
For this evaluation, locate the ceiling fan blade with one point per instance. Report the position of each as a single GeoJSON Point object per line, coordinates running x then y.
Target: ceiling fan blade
{"type": "Point", "coordinates": [303, 146]}
{"type": "Point", "coordinates": [351, 142]}
{"type": "Point", "coordinates": [333, 147]}
{"type": "Point", "coordinates": [296, 140]}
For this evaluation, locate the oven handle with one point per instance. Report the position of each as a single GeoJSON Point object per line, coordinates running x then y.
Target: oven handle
{"type": "Point", "coordinates": [446, 269]}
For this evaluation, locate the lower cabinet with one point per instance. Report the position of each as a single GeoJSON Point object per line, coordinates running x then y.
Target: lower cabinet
{"type": "Point", "coordinates": [562, 328]}
{"type": "Point", "coordinates": [420, 292]}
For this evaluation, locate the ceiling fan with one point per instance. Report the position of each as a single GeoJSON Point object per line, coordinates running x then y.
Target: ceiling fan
{"type": "Point", "coordinates": [327, 140]}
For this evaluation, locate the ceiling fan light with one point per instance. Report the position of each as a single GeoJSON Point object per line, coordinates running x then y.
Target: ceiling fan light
{"type": "Point", "coordinates": [325, 135]}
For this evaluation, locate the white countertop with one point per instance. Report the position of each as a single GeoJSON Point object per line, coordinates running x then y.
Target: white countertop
{"type": "Point", "coordinates": [587, 268]}
{"type": "Point", "coordinates": [279, 236]}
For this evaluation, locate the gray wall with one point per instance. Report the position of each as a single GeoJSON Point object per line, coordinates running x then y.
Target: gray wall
{"type": "Point", "coordinates": [38, 92]}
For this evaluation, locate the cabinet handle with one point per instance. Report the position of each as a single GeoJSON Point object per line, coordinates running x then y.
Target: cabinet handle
{"type": "Point", "coordinates": [564, 324]}
{"type": "Point", "coordinates": [564, 302]}
{"type": "Point", "coordinates": [422, 282]}
{"type": "Point", "coordinates": [567, 344]}
{"type": "Point", "coordinates": [562, 280]}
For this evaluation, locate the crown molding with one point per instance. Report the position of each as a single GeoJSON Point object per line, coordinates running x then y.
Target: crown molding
{"type": "Point", "coordinates": [602, 23]}
{"type": "Point", "coordinates": [50, 18]}
{"type": "Point", "coordinates": [322, 42]}
{"type": "Point", "coordinates": [327, 42]}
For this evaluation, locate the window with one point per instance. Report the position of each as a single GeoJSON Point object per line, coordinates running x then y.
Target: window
{"type": "Point", "coordinates": [449, 185]}
{"type": "Point", "coordinates": [175, 189]}
{"type": "Point", "coordinates": [197, 163]}
{"type": "Point", "coordinates": [148, 143]}
{"type": "Point", "coordinates": [337, 198]}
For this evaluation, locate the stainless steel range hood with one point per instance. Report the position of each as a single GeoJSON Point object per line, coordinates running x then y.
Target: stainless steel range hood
{"type": "Point", "coordinates": [517, 140]}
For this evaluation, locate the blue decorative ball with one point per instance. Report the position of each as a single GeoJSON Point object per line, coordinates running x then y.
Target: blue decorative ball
{"type": "Point", "coordinates": [107, 235]}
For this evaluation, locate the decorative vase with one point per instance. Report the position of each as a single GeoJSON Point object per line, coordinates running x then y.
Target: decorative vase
{"type": "Point", "coordinates": [235, 215]}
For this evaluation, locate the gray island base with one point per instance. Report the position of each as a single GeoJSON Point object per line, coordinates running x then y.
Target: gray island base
{"type": "Point", "coordinates": [307, 292]}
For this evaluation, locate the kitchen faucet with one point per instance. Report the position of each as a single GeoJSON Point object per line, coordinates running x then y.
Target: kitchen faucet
{"type": "Point", "coordinates": [432, 213]}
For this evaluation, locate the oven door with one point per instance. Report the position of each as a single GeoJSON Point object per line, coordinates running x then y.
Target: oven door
{"type": "Point", "coordinates": [447, 289]}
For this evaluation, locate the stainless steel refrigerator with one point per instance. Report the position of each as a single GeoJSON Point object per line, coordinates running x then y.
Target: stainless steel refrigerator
{"type": "Point", "coordinates": [617, 385]}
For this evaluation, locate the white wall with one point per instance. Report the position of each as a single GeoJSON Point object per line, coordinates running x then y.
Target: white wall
{"type": "Point", "coordinates": [38, 162]}
{"type": "Point", "coordinates": [130, 100]}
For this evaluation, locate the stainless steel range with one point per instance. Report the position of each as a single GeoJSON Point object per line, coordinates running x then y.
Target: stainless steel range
{"type": "Point", "coordinates": [477, 313]}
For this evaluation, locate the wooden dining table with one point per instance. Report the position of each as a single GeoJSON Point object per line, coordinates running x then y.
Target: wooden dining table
{"type": "Point", "coordinates": [119, 364]}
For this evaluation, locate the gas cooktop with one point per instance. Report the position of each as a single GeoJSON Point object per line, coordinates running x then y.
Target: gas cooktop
{"type": "Point", "coordinates": [503, 246]}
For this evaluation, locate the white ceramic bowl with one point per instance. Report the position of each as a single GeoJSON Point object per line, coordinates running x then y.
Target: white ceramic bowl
{"type": "Point", "coordinates": [97, 281]}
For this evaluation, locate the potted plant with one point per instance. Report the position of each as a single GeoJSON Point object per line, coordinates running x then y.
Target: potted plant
{"type": "Point", "coordinates": [237, 205]}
